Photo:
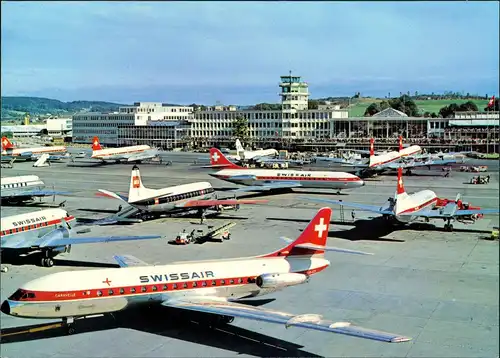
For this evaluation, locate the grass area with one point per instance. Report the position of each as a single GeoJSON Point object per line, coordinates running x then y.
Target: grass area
{"type": "Point", "coordinates": [358, 109]}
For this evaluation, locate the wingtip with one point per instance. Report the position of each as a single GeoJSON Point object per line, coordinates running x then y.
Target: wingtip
{"type": "Point", "coordinates": [400, 339]}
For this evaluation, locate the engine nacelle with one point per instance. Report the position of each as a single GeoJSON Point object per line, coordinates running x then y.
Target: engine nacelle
{"type": "Point", "coordinates": [279, 280]}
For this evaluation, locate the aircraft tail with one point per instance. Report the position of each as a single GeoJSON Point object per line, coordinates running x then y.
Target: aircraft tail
{"type": "Point", "coordinates": [218, 160]}
{"type": "Point", "coordinates": [239, 147]}
{"type": "Point", "coordinates": [312, 241]}
{"type": "Point", "coordinates": [400, 191]}
{"type": "Point", "coordinates": [6, 143]}
{"type": "Point", "coordinates": [400, 143]}
{"type": "Point", "coordinates": [95, 144]}
{"type": "Point", "coordinates": [137, 191]}
{"type": "Point", "coordinates": [372, 147]}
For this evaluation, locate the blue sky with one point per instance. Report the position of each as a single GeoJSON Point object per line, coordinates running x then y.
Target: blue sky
{"type": "Point", "coordinates": [184, 52]}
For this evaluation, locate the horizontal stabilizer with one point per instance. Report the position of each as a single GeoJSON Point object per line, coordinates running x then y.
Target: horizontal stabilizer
{"type": "Point", "coordinates": [110, 194]}
{"type": "Point", "coordinates": [326, 248]}
{"type": "Point", "coordinates": [129, 260]}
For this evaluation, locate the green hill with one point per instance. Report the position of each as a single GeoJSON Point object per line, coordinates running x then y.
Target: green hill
{"type": "Point", "coordinates": [16, 107]}
{"type": "Point", "coordinates": [431, 105]}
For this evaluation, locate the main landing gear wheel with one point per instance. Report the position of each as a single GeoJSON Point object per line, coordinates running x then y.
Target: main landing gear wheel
{"type": "Point", "coordinates": [47, 262]}
{"type": "Point", "coordinates": [71, 330]}
{"type": "Point", "coordinates": [448, 227]}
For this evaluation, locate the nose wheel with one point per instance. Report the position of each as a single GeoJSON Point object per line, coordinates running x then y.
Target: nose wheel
{"type": "Point", "coordinates": [47, 262]}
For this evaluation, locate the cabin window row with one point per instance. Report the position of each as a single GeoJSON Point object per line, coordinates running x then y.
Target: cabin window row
{"type": "Point", "coordinates": [294, 178]}
{"type": "Point", "coordinates": [14, 185]}
{"type": "Point", "coordinates": [175, 286]}
{"type": "Point", "coordinates": [173, 198]}
{"type": "Point", "coordinates": [23, 228]}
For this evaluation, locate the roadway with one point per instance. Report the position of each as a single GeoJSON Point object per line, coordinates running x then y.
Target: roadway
{"type": "Point", "coordinates": [440, 288]}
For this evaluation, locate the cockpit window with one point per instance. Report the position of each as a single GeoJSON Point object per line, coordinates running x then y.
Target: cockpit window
{"type": "Point", "coordinates": [20, 295]}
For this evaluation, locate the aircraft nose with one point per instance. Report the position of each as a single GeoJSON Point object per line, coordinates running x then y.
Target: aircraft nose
{"type": "Point", "coordinates": [5, 308]}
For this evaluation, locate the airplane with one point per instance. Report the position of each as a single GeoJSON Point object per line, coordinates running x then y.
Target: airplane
{"type": "Point", "coordinates": [187, 197]}
{"type": "Point", "coordinates": [23, 188]}
{"type": "Point", "coordinates": [271, 179]}
{"type": "Point", "coordinates": [405, 208]}
{"type": "Point", "coordinates": [216, 287]}
{"type": "Point", "coordinates": [129, 154]}
{"type": "Point", "coordinates": [255, 154]}
{"type": "Point", "coordinates": [47, 233]}
{"type": "Point", "coordinates": [9, 150]}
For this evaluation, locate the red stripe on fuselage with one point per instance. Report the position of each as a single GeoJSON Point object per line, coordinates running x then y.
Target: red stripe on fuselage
{"type": "Point", "coordinates": [34, 226]}
{"type": "Point", "coordinates": [276, 178]}
{"type": "Point", "coordinates": [136, 290]}
{"type": "Point", "coordinates": [421, 206]}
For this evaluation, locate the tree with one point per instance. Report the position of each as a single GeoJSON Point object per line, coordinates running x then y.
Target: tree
{"type": "Point", "coordinates": [434, 115]}
{"type": "Point", "coordinates": [372, 109]}
{"type": "Point", "coordinates": [383, 105]}
{"type": "Point", "coordinates": [449, 111]}
{"type": "Point", "coordinates": [240, 128]}
{"type": "Point", "coordinates": [312, 104]}
{"type": "Point", "coordinates": [267, 107]}
{"type": "Point", "coordinates": [468, 106]}
{"type": "Point", "coordinates": [405, 104]}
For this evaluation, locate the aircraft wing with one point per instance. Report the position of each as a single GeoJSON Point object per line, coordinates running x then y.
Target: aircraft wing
{"type": "Point", "coordinates": [140, 156]}
{"type": "Point", "coordinates": [269, 186]}
{"type": "Point", "coordinates": [362, 207]}
{"type": "Point", "coordinates": [33, 193]}
{"type": "Point", "coordinates": [50, 240]}
{"type": "Point", "coordinates": [215, 202]}
{"type": "Point", "coordinates": [220, 306]}
{"type": "Point", "coordinates": [129, 260]}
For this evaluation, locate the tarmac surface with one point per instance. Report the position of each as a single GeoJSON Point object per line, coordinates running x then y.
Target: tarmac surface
{"type": "Point", "coordinates": [440, 288]}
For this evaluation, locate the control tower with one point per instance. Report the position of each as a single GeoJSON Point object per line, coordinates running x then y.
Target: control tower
{"type": "Point", "coordinates": [294, 93]}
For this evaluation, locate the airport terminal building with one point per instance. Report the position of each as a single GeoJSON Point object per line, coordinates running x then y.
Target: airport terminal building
{"type": "Point", "coordinates": [293, 126]}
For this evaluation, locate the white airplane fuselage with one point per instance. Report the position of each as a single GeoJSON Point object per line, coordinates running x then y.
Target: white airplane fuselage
{"type": "Point", "coordinates": [122, 153]}
{"type": "Point", "coordinates": [20, 231]}
{"type": "Point", "coordinates": [307, 179]}
{"type": "Point", "coordinates": [20, 183]}
{"type": "Point", "coordinates": [167, 199]}
{"type": "Point", "coordinates": [247, 155]}
{"type": "Point", "coordinates": [83, 293]}
{"type": "Point", "coordinates": [34, 150]}
{"type": "Point", "coordinates": [408, 203]}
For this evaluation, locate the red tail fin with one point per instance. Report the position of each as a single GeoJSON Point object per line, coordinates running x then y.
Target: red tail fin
{"type": "Point", "coordinates": [95, 144]}
{"type": "Point", "coordinates": [400, 143]}
{"type": "Point", "coordinates": [315, 233]}
{"type": "Point", "coordinates": [401, 188]}
{"type": "Point", "coordinates": [6, 144]}
{"type": "Point", "coordinates": [372, 147]}
{"type": "Point", "coordinates": [217, 159]}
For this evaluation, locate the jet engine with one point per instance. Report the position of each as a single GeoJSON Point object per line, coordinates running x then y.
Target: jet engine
{"type": "Point", "coordinates": [279, 280]}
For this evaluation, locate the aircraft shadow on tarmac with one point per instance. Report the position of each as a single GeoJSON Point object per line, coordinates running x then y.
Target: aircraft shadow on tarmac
{"type": "Point", "coordinates": [376, 228]}
{"type": "Point", "coordinates": [170, 323]}
{"type": "Point", "coordinates": [34, 259]}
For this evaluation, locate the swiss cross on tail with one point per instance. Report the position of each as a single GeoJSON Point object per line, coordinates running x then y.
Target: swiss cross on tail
{"type": "Point", "coordinates": [401, 188]}
{"type": "Point", "coordinates": [217, 159]}
{"type": "Point", "coordinates": [6, 144]}
{"type": "Point", "coordinates": [136, 182]}
{"type": "Point", "coordinates": [95, 144]}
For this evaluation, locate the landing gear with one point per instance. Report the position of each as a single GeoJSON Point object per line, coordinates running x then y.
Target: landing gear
{"type": "Point", "coordinates": [68, 324]}
{"type": "Point", "coordinates": [46, 260]}
{"type": "Point", "coordinates": [218, 321]}
{"type": "Point", "coordinates": [448, 227]}
{"type": "Point", "coordinates": [338, 192]}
